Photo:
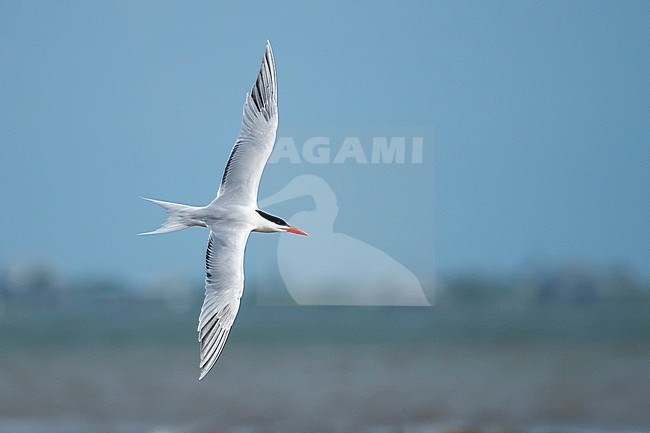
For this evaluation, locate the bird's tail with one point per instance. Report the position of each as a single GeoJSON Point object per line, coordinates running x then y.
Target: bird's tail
{"type": "Point", "coordinates": [179, 217]}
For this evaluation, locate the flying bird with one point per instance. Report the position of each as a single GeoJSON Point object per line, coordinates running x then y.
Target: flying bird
{"type": "Point", "coordinates": [233, 215]}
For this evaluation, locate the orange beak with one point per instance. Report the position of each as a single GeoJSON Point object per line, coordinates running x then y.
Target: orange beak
{"type": "Point", "coordinates": [296, 231]}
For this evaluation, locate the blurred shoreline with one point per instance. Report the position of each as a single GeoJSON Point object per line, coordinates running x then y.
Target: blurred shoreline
{"type": "Point", "coordinates": [134, 368]}
{"type": "Point", "coordinates": [492, 355]}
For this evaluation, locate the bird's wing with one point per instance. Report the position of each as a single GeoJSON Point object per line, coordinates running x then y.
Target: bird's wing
{"type": "Point", "coordinates": [241, 177]}
{"type": "Point", "coordinates": [224, 285]}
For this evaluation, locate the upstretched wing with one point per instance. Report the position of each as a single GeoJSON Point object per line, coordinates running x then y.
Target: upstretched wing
{"type": "Point", "coordinates": [224, 285]}
{"type": "Point", "coordinates": [241, 177]}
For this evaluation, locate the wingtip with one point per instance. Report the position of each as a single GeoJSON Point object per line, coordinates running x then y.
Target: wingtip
{"type": "Point", "coordinates": [268, 47]}
{"type": "Point", "coordinates": [203, 373]}
{"type": "Point", "coordinates": [148, 199]}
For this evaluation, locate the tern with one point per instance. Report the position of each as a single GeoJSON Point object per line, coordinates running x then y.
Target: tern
{"type": "Point", "coordinates": [233, 215]}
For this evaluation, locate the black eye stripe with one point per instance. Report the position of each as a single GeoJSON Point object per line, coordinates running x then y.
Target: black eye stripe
{"type": "Point", "coordinates": [272, 218]}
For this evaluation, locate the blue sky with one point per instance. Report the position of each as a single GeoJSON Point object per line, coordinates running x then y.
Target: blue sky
{"type": "Point", "coordinates": [538, 113]}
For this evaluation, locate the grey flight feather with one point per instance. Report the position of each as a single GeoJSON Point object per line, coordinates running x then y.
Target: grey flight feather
{"type": "Point", "coordinates": [224, 286]}
{"type": "Point", "coordinates": [241, 177]}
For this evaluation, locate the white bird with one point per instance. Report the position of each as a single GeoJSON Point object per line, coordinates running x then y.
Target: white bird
{"type": "Point", "coordinates": [233, 214]}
